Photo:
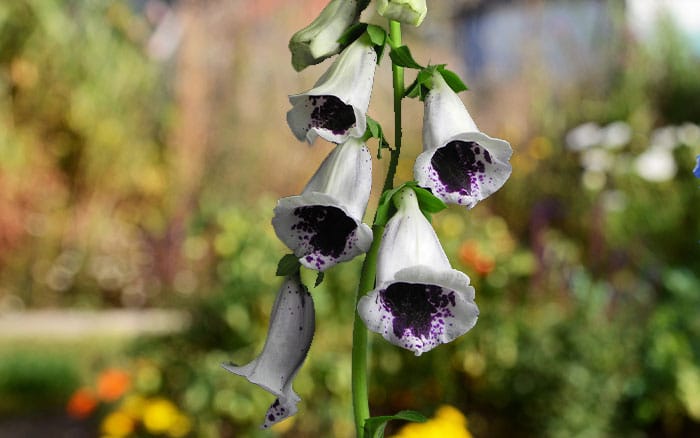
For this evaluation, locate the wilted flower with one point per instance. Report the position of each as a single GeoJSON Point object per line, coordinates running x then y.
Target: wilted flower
{"type": "Point", "coordinates": [460, 164]}
{"type": "Point", "coordinates": [336, 108]}
{"type": "Point", "coordinates": [405, 11]}
{"type": "Point", "coordinates": [289, 336]}
{"type": "Point", "coordinates": [323, 226]}
{"type": "Point", "coordinates": [419, 301]}
{"type": "Point", "coordinates": [319, 40]}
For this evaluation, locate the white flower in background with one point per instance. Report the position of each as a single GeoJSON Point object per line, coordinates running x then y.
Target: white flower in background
{"type": "Point", "coordinates": [323, 226]}
{"type": "Point", "coordinates": [460, 164]}
{"type": "Point", "coordinates": [597, 159]}
{"type": "Point", "coordinates": [688, 134]}
{"type": "Point", "coordinates": [616, 135]}
{"type": "Point", "coordinates": [664, 137]}
{"type": "Point", "coordinates": [584, 136]}
{"type": "Point", "coordinates": [419, 301]}
{"type": "Point", "coordinates": [656, 164]}
{"type": "Point", "coordinates": [319, 40]}
{"type": "Point", "coordinates": [405, 11]}
{"type": "Point", "coordinates": [336, 107]}
{"type": "Point", "coordinates": [289, 336]}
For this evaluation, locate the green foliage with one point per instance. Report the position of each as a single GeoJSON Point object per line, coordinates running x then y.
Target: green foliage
{"type": "Point", "coordinates": [374, 426]}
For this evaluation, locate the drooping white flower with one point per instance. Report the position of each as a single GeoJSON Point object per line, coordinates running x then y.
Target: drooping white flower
{"type": "Point", "coordinates": [460, 164]}
{"type": "Point", "coordinates": [405, 11]}
{"type": "Point", "coordinates": [289, 336]}
{"type": "Point", "coordinates": [323, 225]}
{"type": "Point", "coordinates": [419, 301]}
{"type": "Point", "coordinates": [336, 107]}
{"type": "Point", "coordinates": [319, 40]}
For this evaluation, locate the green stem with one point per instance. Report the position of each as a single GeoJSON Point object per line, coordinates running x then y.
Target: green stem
{"type": "Point", "coordinates": [360, 344]}
{"type": "Point", "coordinates": [398, 82]}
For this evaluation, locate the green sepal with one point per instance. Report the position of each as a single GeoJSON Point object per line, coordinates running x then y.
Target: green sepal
{"type": "Point", "coordinates": [374, 130]}
{"type": "Point", "coordinates": [428, 203]}
{"type": "Point", "coordinates": [288, 265]}
{"type": "Point", "coordinates": [319, 279]}
{"type": "Point", "coordinates": [452, 79]}
{"type": "Point", "coordinates": [421, 85]}
{"type": "Point", "coordinates": [378, 36]}
{"type": "Point", "coordinates": [402, 57]}
{"type": "Point", "coordinates": [352, 33]}
{"type": "Point", "coordinates": [374, 426]}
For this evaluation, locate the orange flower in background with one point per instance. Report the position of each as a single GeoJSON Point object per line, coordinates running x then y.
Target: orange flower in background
{"type": "Point", "coordinates": [82, 403]}
{"type": "Point", "coordinates": [470, 255]}
{"type": "Point", "coordinates": [112, 384]}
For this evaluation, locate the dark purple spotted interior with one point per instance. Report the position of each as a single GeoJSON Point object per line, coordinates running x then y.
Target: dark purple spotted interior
{"type": "Point", "coordinates": [325, 228]}
{"type": "Point", "coordinates": [332, 114]}
{"type": "Point", "coordinates": [460, 165]}
{"type": "Point", "coordinates": [416, 307]}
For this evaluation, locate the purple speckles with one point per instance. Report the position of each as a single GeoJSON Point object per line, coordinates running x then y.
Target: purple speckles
{"type": "Point", "coordinates": [460, 166]}
{"type": "Point", "coordinates": [332, 114]}
{"type": "Point", "coordinates": [325, 229]}
{"type": "Point", "coordinates": [277, 412]}
{"type": "Point", "coordinates": [418, 310]}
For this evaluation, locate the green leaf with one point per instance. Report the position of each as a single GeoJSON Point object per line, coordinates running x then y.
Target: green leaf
{"type": "Point", "coordinates": [377, 35]}
{"type": "Point", "coordinates": [352, 33]}
{"type": "Point", "coordinates": [402, 57]}
{"type": "Point", "coordinates": [319, 279]}
{"type": "Point", "coordinates": [428, 202]}
{"type": "Point", "coordinates": [452, 79]}
{"type": "Point", "coordinates": [288, 265]}
{"type": "Point", "coordinates": [374, 426]}
{"type": "Point", "coordinates": [421, 85]}
{"type": "Point", "coordinates": [386, 208]}
{"type": "Point", "coordinates": [374, 130]}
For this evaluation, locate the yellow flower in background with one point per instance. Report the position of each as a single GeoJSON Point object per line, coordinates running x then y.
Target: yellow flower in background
{"type": "Point", "coordinates": [117, 424]}
{"type": "Point", "coordinates": [447, 422]}
{"type": "Point", "coordinates": [159, 415]}
{"type": "Point", "coordinates": [133, 405]}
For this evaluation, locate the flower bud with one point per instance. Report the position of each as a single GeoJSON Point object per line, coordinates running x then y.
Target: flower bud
{"type": "Point", "coordinates": [319, 40]}
{"type": "Point", "coordinates": [405, 11]}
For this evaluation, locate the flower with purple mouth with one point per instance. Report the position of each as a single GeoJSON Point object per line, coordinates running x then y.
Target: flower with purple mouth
{"type": "Point", "coordinates": [419, 302]}
{"type": "Point", "coordinates": [460, 164]}
{"type": "Point", "coordinates": [323, 225]}
{"type": "Point", "coordinates": [336, 107]}
{"type": "Point", "coordinates": [289, 336]}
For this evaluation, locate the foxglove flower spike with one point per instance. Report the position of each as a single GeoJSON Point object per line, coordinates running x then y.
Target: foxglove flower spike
{"type": "Point", "coordinates": [419, 302]}
{"type": "Point", "coordinates": [336, 108]}
{"type": "Point", "coordinates": [460, 164]}
{"type": "Point", "coordinates": [319, 40]}
{"type": "Point", "coordinates": [323, 225]}
{"type": "Point", "coordinates": [289, 336]}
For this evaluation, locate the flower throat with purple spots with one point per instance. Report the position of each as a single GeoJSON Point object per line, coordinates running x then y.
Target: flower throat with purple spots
{"type": "Point", "coordinates": [332, 114]}
{"type": "Point", "coordinates": [460, 166]}
{"type": "Point", "coordinates": [327, 228]}
{"type": "Point", "coordinates": [415, 306]}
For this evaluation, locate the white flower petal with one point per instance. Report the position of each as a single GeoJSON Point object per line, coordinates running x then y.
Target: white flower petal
{"type": "Point", "coordinates": [323, 226]}
{"type": "Point", "coordinates": [319, 40]}
{"type": "Point", "coordinates": [289, 336]}
{"type": "Point", "coordinates": [460, 164]}
{"type": "Point", "coordinates": [335, 109]}
{"type": "Point", "coordinates": [405, 11]}
{"type": "Point", "coordinates": [421, 309]}
{"type": "Point", "coordinates": [420, 302]}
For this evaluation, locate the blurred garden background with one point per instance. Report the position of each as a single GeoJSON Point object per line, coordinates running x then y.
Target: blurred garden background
{"type": "Point", "coordinates": [143, 145]}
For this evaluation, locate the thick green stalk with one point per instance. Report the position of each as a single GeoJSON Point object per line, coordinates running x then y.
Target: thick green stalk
{"type": "Point", "coordinates": [398, 82]}
{"type": "Point", "coordinates": [360, 344]}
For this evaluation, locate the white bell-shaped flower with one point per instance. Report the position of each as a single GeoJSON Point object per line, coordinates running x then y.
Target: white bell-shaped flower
{"type": "Point", "coordinates": [460, 164]}
{"type": "Point", "coordinates": [336, 108]}
{"type": "Point", "coordinates": [289, 336]}
{"type": "Point", "coordinates": [319, 40]}
{"type": "Point", "coordinates": [323, 225]}
{"type": "Point", "coordinates": [419, 301]}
